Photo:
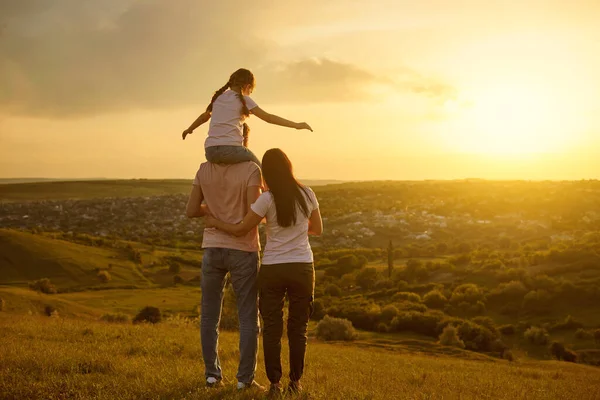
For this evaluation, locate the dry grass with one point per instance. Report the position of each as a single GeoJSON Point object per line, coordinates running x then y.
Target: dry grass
{"type": "Point", "coordinates": [62, 358]}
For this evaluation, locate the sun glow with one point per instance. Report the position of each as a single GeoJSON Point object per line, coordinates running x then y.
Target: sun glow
{"type": "Point", "coordinates": [512, 120]}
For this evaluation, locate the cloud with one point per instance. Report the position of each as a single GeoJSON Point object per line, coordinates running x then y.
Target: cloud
{"type": "Point", "coordinates": [324, 80]}
{"type": "Point", "coordinates": [74, 57]}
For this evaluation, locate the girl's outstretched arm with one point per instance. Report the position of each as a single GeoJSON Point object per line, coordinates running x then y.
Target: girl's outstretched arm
{"type": "Point", "coordinates": [274, 119]}
{"type": "Point", "coordinates": [204, 117]}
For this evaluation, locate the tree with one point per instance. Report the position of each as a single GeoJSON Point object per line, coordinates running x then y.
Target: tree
{"type": "Point", "coordinates": [390, 257]}
{"type": "Point", "coordinates": [366, 277]}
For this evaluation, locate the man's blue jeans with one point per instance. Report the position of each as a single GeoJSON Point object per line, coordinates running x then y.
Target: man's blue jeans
{"type": "Point", "coordinates": [243, 268]}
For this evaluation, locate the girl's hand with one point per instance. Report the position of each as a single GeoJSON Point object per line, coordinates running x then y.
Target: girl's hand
{"type": "Point", "coordinates": [304, 125]}
{"type": "Point", "coordinates": [210, 221]}
{"type": "Point", "coordinates": [186, 132]}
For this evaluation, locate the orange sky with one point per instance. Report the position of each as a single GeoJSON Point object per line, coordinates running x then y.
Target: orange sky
{"type": "Point", "coordinates": [393, 89]}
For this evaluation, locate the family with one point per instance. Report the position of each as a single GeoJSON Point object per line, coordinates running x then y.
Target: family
{"type": "Point", "coordinates": [234, 192]}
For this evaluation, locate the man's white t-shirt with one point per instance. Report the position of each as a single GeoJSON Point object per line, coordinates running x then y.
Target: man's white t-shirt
{"type": "Point", "coordinates": [289, 244]}
{"type": "Point", "coordinates": [226, 120]}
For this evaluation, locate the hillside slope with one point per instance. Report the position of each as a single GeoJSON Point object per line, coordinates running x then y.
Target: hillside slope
{"type": "Point", "coordinates": [61, 358]}
{"type": "Point", "coordinates": [25, 257]}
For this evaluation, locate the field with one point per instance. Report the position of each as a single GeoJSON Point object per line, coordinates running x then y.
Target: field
{"type": "Point", "coordinates": [462, 255]}
{"type": "Point", "coordinates": [64, 358]}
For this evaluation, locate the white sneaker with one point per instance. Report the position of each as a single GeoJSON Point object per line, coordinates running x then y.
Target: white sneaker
{"type": "Point", "coordinates": [213, 382]}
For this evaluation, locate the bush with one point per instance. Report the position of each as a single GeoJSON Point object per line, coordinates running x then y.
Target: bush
{"type": "Point", "coordinates": [330, 328]}
{"type": "Point", "coordinates": [435, 299]}
{"type": "Point", "coordinates": [174, 267]}
{"type": "Point", "coordinates": [2, 304]}
{"type": "Point", "coordinates": [570, 356]}
{"type": "Point", "coordinates": [115, 318]}
{"type": "Point", "coordinates": [43, 285]}
{"type": "Point", "coordinates": [569, 323]}
{"type": "Point", "coordinates": [104, 276]}
{"type": "Point", "coordinates": [383, 328]}
{"type": "Point", "coordinates": [449, 337]}
{"type": "Point", "coordinates": [177, 279]}
{"type": "Point", "coordinates": [366, 277]}
{"type": "Point", "coordinates": [467, 293]}
{"type": "Point", "coordinates": [508, 355]}
{"type": "Point", "coordinates": [583, 334]}
{"type": "Point", "coordinates": [318, 311]}
{"type": "Point", "coordinates": [407, 296]}
{"type": "Point", "coordinates": [388, 313]}
{"type": "Point", "coordinates": [486, 322]}
{"type": "Point", "coordinates": [537, 335]}
{"type": "Point", "coordinates": [50, 311]}
{"type": "Point", "coordinates": [507, 329]}
{"type": "Point", "coordinates": [557, 350]}
{"type": "Point", "coordinates": [333, 290]}
{"type": "Point", "coordinates": [148, 314]}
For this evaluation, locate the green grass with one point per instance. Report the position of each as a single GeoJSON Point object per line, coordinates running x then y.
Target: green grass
{"type": "Point", "coordinates": [25, 257]}
{"type": "Point", "coordinates": [92, 304]}
{"type": "Point", "coordinates": [62, 358]}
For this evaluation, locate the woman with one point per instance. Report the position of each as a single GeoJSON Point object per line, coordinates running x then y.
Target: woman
{"type": "Point", "coordinates": [292, 213]}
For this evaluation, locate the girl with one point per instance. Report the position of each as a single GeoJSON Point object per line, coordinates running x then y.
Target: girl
{"type": "Point", "coordinates": [292, 213]}
{"type": "Point", "coordinates": [228, 109]}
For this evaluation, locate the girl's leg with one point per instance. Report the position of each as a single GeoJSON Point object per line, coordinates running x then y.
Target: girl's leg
{"type": "Point", "coordinates": [270, 303]}
{"type": "Point", "coordinates": [300, 294]}
{"type": "Point", "coordinates": [230, 155]}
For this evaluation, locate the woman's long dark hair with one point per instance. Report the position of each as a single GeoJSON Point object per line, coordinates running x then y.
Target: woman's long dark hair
{"type": "Point", "coordinates": [286, 190]}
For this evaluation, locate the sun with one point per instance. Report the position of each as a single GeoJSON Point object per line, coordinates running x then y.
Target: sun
{"type": "Point", "coordinates": [510, 120]}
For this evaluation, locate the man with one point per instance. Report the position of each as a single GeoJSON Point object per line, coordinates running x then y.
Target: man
{"type": "Point", "coordinates": [228, 191]}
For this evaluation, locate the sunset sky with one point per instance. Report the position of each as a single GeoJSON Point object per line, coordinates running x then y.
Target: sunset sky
{"type": "Point", "coordinates": [394, 89]}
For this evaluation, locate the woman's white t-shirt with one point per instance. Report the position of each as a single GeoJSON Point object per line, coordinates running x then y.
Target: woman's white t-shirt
{"type": "Point", "coordinates": [289, 244]}
{"type": "Point", "coordinates": [226, 120]}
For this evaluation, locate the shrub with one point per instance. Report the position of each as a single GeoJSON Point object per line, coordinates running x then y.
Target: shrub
{"type": "Point", "coordinates": [148, 314]}
{"type": "Point", "coordinates": [177, 279]}
{"type": "Point", "coordinates": [569, 323]}
{"type": "Point", "coordinates": [486, 322]}
{"type": "Point", "coordinates": [570, 356]}
{"type": "Point", "coordinates": [115, 318]}
{"type": "Point", "coordinates": [410, 306]}
{"type": "Point", "coordinates": [407, 296]}
{"type": "Point", "coordinates": [43, 285]}
{"type": "Point", "coordinates": [557, 350]}
{"type": "Point", "coordinates": [449, 337]}
{"type": "Point", "coordinates": [318, 311]}
{"type": "Point", "coordinates": [537, 335]}
{"type": "Point", "coordinates": [384, 284]}
{"type": "Point", "coordinates": [366, 277]}
{"type": "Point", "coordinates": [330, 328]}
{"type": "Point", "coordinates": [50, 311]}
{"type": "Point", "coordinates": [388, 313]}
{"type": "Point", "coordinates": [508, 355]}
{"type": "Point", "coordinates": [507, 329]}
{"type": "Point", "coordinates": [2, 304]}
{"type": "Point", "coordinates": [383, 328]}
{"type": "Point", "coordinates": [435, 299]}
{"type": "Point", "coordinates": [583, 334]}
{"type": "Point", "coordinates": [333, 290]}
{"type": "Point", "coordinates": [174, 267]}
{"type": "Point", "coordinates": [467, 293]}
{"type": "Point", "coordinates": [513, 291]}
{"type": "Point", "coordinates": [104, 276]}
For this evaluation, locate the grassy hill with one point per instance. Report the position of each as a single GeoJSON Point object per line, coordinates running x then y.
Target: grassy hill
{"type": "Point", "coordinates": [62, 358]}
{"type": "Point", "coordinates": [25, 257]}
